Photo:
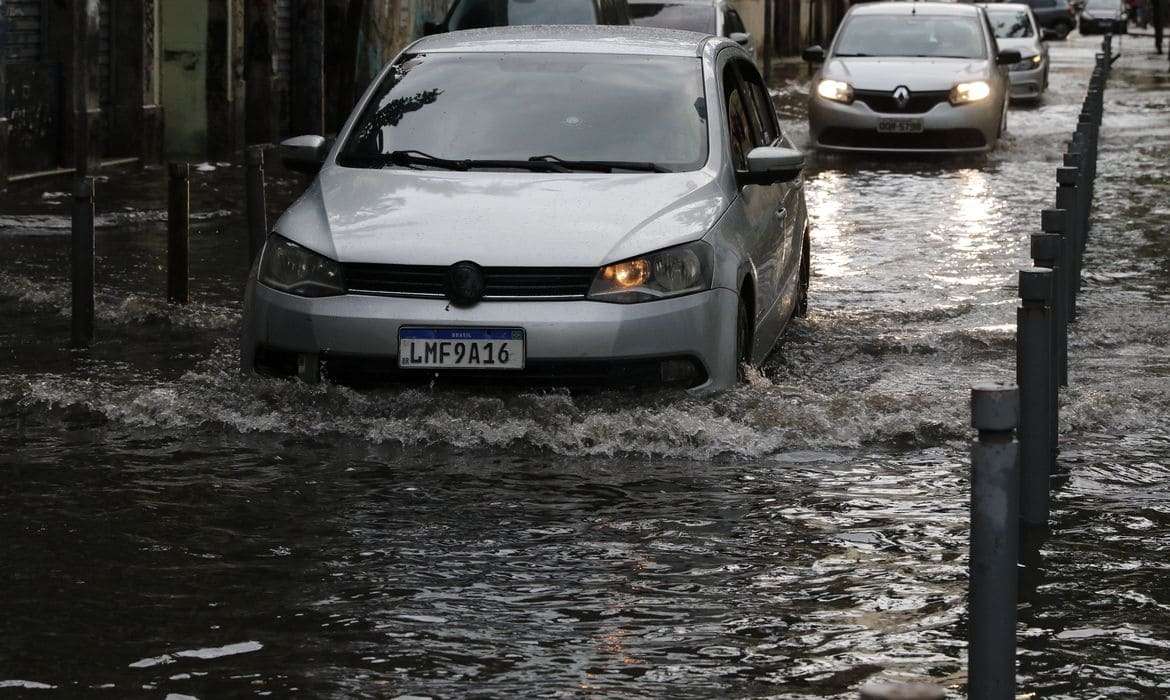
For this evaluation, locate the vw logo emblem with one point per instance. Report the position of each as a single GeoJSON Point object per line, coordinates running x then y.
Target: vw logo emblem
{"type": "Point", "coordinates": [902, 96]}
{"type": "Point", "coordinates": [465, 283]}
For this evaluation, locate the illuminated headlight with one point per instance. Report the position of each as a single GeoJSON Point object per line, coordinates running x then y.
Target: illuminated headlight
{"type": "Point", "coordinates": [964, 93]}
{"type": "Point", "coordinates": [668, 273]}
{"type": "Point", "coordinates": [835, 90]}
{"type": "Point", "coordinates": [291, 268]}
{"type": "Point", "coordinates": [1028, 63]}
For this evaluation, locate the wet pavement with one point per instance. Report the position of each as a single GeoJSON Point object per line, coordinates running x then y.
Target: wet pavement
{"type": "Point", "coordinates": [169, 527]}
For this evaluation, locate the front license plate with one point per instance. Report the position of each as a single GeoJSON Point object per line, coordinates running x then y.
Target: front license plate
{"type": "Point", "coordinates": [899, 126]}
{"type": "Point", "coordinates": [461, 348]}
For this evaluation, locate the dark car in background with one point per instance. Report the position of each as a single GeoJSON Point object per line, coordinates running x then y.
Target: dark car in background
{"type": "Point", "coordinates": [715, 17]}
{"type": "Point", "coordinates": [479, 14]}
{"type": "Point", "coordinates": [1103, 17]}
{"type": "Point", "coordinates": [1055, 15]}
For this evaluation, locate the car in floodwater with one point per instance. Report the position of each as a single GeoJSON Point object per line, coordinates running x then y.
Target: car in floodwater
{"type": "Point", "coordinates": [578, 204]}
{"type": "Point", "coordinates": [1016, 28]}
{"type": "Point", "coordinates": [717, 17]}
{"type": "Point", "coordinates": [479, 14]}
{"type": "Point", "coordinates": [915, 77]}
{"type": "Point", "coordinates": [1103, 17]}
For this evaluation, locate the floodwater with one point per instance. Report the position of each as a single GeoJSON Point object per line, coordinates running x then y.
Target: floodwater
{"type": "Point", "coordinates": [167, 527]}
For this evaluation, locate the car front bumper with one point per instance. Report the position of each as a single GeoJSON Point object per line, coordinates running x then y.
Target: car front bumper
{"type": "Point", "coordinates": [970, 128]}
{"type": "Point", "coordinates": [698, 327]}
{"type": "Point", "coordinates": [1027, 84]}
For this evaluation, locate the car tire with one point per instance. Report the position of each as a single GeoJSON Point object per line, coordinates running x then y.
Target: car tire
{"type": "Point", "coordinates": [801, 308]}
{"type": "Point", "coordinates": [743, 339]}
{"type": "Point", "coordinates": [1063, 29]}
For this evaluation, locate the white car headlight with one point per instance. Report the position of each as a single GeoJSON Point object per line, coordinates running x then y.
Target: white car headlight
{"type": "Point", "coordinates": [1028, 63]}
{"type": "Point", "coordinates": [835, 90]}
{"type": "Point", "coordinates": [965, 93]}
{"type": "Point", "coordinates": [673, 272]}
{"type": "Point", "coordinates": [292, 268]}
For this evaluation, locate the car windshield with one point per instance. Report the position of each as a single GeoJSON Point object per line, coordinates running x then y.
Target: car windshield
{"type": "Point", "coordinates": [690, 17]}
{"type": "Point", "coordinates": [476, 14]}
{"type": "Point", "coordinates": [1012, 24]}
{"type": "Point", "coordinates": [521, 107]}
{"type": "Point", "coordinates": [934, 36]}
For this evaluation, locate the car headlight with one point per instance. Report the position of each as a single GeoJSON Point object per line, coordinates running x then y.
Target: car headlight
{"type": "Point", "coordinates": [964, 93]}
{"type": "Point", "coordinates": [292, 268]}
{"type": "Point", "coordinates": [835, 90]}
{"type": "Point", "coordinates": [672, 272]}
{"type": "Point", "coordinates": [1028, 63]}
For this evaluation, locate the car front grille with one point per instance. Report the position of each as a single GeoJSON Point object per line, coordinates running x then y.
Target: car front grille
{"type": "Point", "coordinates": [501, 283]}
{"type": "Point", "coordinates": [938, 139]}
{"type": "Point", "coordinates": [919, 102]}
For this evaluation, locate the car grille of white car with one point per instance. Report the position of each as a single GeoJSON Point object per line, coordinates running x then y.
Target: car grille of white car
{"type": "Point", "coordinates": [918, 103]}
{"type": "Point", "coordinates": [501, 283]}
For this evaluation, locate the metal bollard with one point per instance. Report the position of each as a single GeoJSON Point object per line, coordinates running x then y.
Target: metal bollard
{"type": "Point", "coordinates": [256, 202]}
{"type": "Point", "coordinates": [995, 541]}
{"type": "Point", "coordinates": [901, 691]}
{"type": "Point", "coordinates": [1068, 198]}
{"type": "Point", "coordinates": [81, 263]}
{"type": "Point", "coordinates": [179, 233]}
{"type": "Point", "coordinates": [1036, 379]}
{"type": "Point", "coordinates": [1050, 249]}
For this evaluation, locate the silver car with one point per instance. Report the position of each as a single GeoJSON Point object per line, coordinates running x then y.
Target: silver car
{"type": "Point", "coordinates": [718, 17]}
{"type": "Point", "coordinates": [573, 204]}
{"type": "Point", "coordinates": [1016, 28]}
{"type": "Point", "coordinates": [910, 77]}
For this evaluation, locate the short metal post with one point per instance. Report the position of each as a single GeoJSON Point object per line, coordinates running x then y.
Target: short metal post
{"type": "Point", "coordinates": [1036, 379]}
{"type": "Point", "coordinates": [309, 368]}
{"type": "Point", "coordinates": [1049, 249]}
{"type": "Point", "coordinates": [256, 204]}
{"type": "Point", "coordinates": [995, 541]}
{"type": "Point", "coordinates": [901, 691]}
{"type": "Point", "coordinates": [81, 262]}
{"type": "Point", "coordinates": [179, 233]}
{"type": "Point", "coordinates": [1067, 198]}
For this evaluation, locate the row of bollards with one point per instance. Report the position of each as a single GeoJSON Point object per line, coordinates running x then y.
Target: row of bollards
{"type": "Point", "coordinates": [1011, 481]}
{"type": "Point", "coordinates": [82, 247]}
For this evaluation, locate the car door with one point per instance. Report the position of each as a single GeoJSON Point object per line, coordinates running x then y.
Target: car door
{"type": "Point", "coordinates": [763, 204]}
{"type": "Point", "coordinates": [787, 225]}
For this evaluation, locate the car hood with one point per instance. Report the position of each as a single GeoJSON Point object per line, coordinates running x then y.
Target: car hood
{"type": "Point", "coordinates": [1026, 46]}
{"type": "Point", "coordinates": [917, 74]}
{"type": "Point", "coordinates": [417, 217]}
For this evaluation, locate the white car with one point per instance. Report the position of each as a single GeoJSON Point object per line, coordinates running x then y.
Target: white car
{"type": "Point", "coordinates": [910, 77]}
{"type": "Point", "coordinates": [1016, 28]}
{"type": "Point", "coordinates": [575, 204]}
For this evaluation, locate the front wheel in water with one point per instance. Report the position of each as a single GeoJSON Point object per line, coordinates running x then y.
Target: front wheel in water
{"type": "Point", "coordinates": [743, 339]}
{"type": "Point", "coordinates": [801, 309]}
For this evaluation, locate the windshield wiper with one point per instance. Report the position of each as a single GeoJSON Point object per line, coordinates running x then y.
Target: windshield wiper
{"type": "Point", "coordinates": [852, 55]}
{"type": "Point", "coordinates": [602, 166]}
{"type": "Point", "coordinates": [406, 158]}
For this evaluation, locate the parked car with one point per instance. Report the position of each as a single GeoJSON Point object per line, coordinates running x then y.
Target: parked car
{"type": "Point", "coordinates": [1103, 17]}
{"type": "Point", "coordinates": [1057, 15]}
{"type": "Point", "coordinates": [639, 218]}
{"type": "Point", "coordinates": [478, 14]}
{"type": "Point", "coordinates": [716, 17]}
{"type": "Point", "coordinates": [1016, 28]}
{"type": "Point", "coordinates": [911, 77]}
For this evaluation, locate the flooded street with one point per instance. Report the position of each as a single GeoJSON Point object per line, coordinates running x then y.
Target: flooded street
{"type": "Point", "coordinates": [170, 527]}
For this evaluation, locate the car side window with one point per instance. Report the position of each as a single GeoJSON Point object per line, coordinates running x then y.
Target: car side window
{"type": "Point", "coordinates": [739, 128]}
{"type": "Point", "coordinates": [733, 24]}
{"type": "Point", "coordinates": [764, 115]}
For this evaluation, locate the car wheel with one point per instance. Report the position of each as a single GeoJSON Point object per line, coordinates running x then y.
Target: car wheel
{"type": "Point", "coordinates": [743, 339]}
{"type": "Point", "coordinates": [801, 309]}
{"type": "Point", "coordinates": [1062, 30]}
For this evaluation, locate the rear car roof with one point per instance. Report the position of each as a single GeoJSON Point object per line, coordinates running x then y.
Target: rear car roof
{"type": "Point", "coordinates": [914, 8]}
{"type": "Point", "coordinates": [605, 39]}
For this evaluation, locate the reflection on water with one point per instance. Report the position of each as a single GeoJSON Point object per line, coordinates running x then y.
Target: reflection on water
{"type": "Point", "coordinates": [791, 537]}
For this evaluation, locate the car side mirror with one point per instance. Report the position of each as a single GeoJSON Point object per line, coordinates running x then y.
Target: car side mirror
{"type": "Point", "coordinates": [741, 38]}
{"type": "Point", "coordinates": [768, 165]}
{"type": "Point", "coordinates": [304, 154]}
{"type": "Point", "coordinates": [813, 54]}
{"type": "Point", "coordinates": [1047, 34]}
{"type": "Point", "coordinates": [430, 28]}
{"type": "Point", "coordinates": [1007, 57]}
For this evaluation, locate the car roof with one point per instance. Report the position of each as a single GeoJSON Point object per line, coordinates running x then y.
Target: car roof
{"type": "Point", "coordinates": [914, 8]}
{"type": "Point", "coordinates": [711, 3]}
{"type": "Point", "coordinates": [575, 38]}
{"type": "Point", "coordinates": [992, 6]}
